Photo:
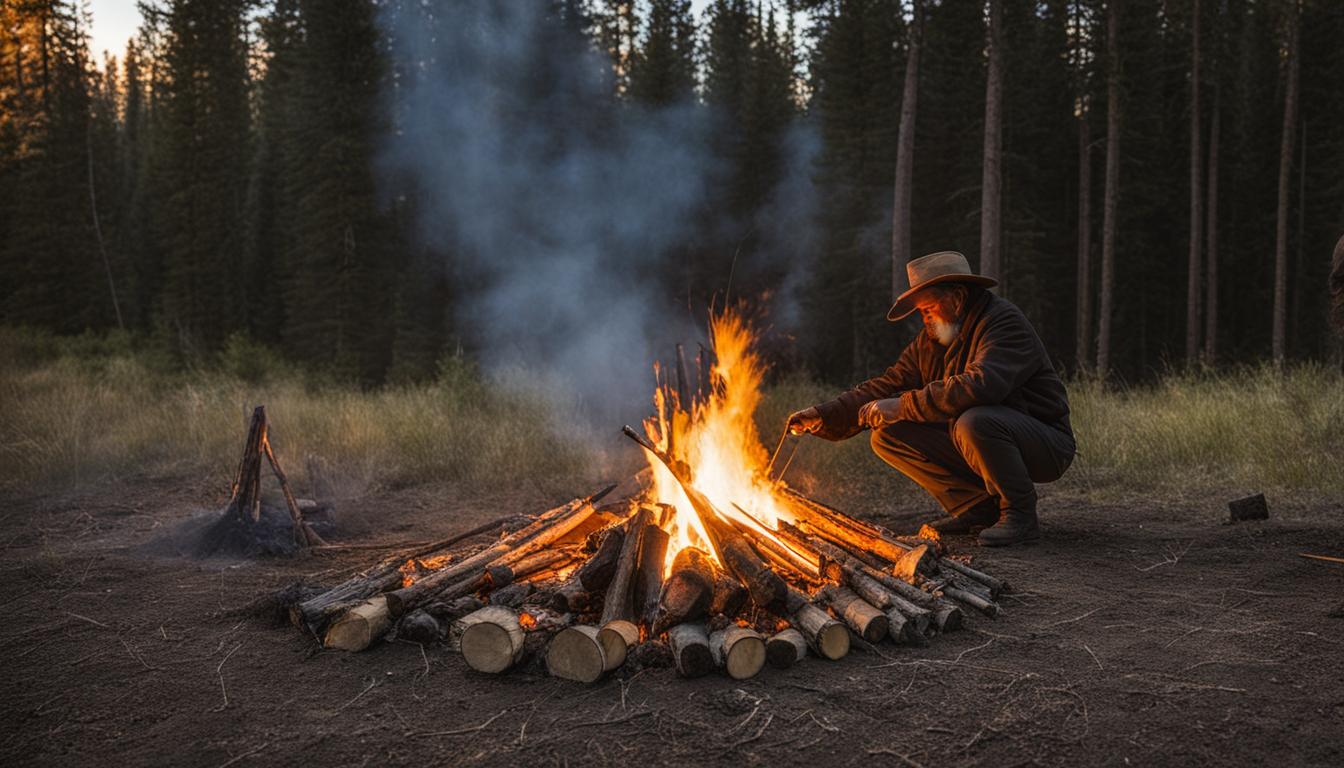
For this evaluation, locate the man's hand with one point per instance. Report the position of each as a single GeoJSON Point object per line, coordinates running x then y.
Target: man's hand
{"type": "Point", "coordinates": [879, 413]}
{"type": "Point", "coordinates": [807, 420]}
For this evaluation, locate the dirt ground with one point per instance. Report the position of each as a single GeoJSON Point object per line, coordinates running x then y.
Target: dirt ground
{"type": "Point", "coordinates": [1139, 633]}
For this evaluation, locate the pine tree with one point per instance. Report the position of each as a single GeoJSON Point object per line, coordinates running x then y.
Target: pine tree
{"type": "Point", "coordinates": [1109, 202]}
{"type": "Point", "coordinates": [1291, 70]}
{"type": "Point", "coordinates": [339, 293]}
{"type": "Point", "coordinates": [905, 154]}
{"type": "Point", "coordinates": [662, 70]}
{"type": "Point", "coordinates": [204, 139]}
{"type": "Point", "coordinates": [992, 179]}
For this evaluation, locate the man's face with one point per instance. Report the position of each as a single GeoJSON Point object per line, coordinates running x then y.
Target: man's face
{"type": "Point", "coordinates": [941, 313]}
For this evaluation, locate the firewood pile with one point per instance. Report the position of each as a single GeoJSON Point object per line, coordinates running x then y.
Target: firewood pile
{"type": "Point", "coordinates": [583, 586]}
{"type": "Point", "coordinates": [715, 563]}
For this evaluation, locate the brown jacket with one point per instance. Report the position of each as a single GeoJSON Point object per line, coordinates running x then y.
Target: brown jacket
{"type": "Point", "coordinates": [997, 359]}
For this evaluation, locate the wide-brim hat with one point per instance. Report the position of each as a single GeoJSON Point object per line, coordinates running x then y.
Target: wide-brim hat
{"type": "Point", "coordinates": [934, 269]}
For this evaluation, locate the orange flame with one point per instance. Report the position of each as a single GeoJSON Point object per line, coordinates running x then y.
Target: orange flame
{"type": "Point", "coordinates": [719, 442]}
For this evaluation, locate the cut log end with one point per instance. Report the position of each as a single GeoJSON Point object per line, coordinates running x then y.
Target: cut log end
{"type": "Point", "coordinates": [739, 651]}
{"type": "Point", "coordinates": [493, 639]}
{"type": "Point", "coordinates": [359, 627]}
{"type": "Point", "coordinates": [785, 648]}
{"type": "Point", "coordinates": [616, 638]}
{"type": "Point", "coordinates": [575, 654]}
{"type": "Point", "coordinates": [690, 649]}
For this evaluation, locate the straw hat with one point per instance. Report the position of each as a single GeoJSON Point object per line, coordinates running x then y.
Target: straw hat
{"type": "Point", "coordinates": [940, 267]}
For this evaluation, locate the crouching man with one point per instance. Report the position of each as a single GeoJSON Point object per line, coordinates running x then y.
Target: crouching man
{"type": "Point", "coordinates": [973, 410]}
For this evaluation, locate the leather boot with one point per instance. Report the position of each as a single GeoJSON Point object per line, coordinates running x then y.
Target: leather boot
{"type": "Point", "coordinates": [982, 515]}
{"type": "Point", "coordinates": [1015, 526]}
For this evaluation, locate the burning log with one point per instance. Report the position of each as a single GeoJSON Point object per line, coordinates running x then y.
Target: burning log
{"type": "Point", "coordinates": [492, 639]}
{"type": "Point", "coordinates": [770, 547]}
{"type": "Point", "coordinates": [596, 574]}
{"type": "Point", "coordinates": [541, 533]}
{"type": "Point", "coordinates": [729, 594]}
{"type": "Point", "coordinates": [571, 596]}
{"type": "Point", "coordinates": [576, 654]}
{"type": "Point", "coordinates": [739, 651]}
{"type": "Point", "coordinates": [690, 649]}
{"type": "Point", "coordinates": [688, 592]}
{"type": "Point", "coordinates": [866, 621]}
{"type": "Point", "coordinates": [785, 648]}
{"type": "Point", "coordinates": [619, 631]}
{"type": "Point", "coordinates": [826, 636]}
{"type": "Point", "coordinates": [649, 574]}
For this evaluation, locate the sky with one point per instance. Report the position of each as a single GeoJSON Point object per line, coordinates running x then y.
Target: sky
{"type": "Point", "coordinates": [114, 22]}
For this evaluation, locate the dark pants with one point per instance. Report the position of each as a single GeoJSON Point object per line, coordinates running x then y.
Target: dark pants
{"type": "Point", "coordinates": [988, 452]}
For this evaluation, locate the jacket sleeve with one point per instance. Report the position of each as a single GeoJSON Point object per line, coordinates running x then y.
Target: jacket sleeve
{"type": "Point", "coordinates": [1004, 359]}
{"type": "Point", "coordinates": [840, 417]}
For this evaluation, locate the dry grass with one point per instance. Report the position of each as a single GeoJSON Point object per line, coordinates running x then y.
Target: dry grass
{"type": "Point", "coordinates": [79, 412]}
{"type": "Point", "coordinates": [74, 418]}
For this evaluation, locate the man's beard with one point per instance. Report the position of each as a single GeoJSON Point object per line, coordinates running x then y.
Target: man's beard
{"type": "Point", "coordinates": [944, 332]}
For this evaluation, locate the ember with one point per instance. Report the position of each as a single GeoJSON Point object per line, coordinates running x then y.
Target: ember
{"type": "Point", "coordinates": [727, 566]}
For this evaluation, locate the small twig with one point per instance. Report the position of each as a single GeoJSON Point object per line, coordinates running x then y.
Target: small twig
{"type": "Point", "coordinates": [1094, 657]}
{"type": "Point", "coordinates": [248, 753]}
{"type": "Point", "coordinates": [472, 729]}
{"type": "Point", "coordinates": [759, 731]}
{"type": "Point", "coordinates": [135, 655]}
{"type": "Point", "coordinates": [1070, 621]}
{"type": "Point", "coordinates": [95, 622]}
{"type": "Point", "coordinates": [220, 671]}
{"type": "Point", "coordinates": [358, 696]}
{"type": "Point", "coordinates": [630, 716]}
{"type": "Point", "coordinates": [889, 751]}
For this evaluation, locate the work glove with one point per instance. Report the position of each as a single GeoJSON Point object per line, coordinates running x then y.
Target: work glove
{"type": "Point", "coordinates": [877, 414]}
{"type": "Point", "coordinates": [807, 420]}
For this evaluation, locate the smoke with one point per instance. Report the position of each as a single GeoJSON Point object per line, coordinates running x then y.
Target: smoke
{"type": "Point", "coordinates": [560, 210]}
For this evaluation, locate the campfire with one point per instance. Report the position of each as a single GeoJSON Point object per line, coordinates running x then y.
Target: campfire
{"type": "Point", "coordinates": [716, 561]}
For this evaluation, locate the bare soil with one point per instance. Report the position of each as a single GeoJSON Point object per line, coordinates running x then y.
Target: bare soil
{"type": "Point", "coordinates": [1140, 633]}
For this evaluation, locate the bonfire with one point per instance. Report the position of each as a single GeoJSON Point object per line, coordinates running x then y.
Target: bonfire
{"type": "Point", "coordinates": [715, 561]}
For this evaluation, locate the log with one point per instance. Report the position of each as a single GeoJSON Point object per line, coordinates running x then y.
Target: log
{"type": "Point", "coordinates": [690, 649]}
{"type": "Point", "coordinates": [596, 574]}
{"type": "Point", "coordinates": [772, 549]}
{"type": "Point", "coordinates": [683, 381]}
{"type": "Point", "coordinates": [729, 594]}
{"type": "Point", "coordinates": [827, 637]}
{"type": "Point", "coordinates": [916, 561]}
{"type": "Point", "coordinates": [649, 573]}
{"type": "Point", "coordinates": [739, 651]}
{"type": "Point", "coordinates": [575, 654]}
{"type": "Point", "coordinates": [765, 587]}
{"type": "Point", "coordinates": [688, 592]}
{"type": "Point", "coordinates": [977, 602]}
{"type": "Point", "coordinates": [883, 591]}
{"type": "Point", "coordinates": [358, 627]}
{"type": "Point", "coordinates": [492, 639]}
{"type": "Point", "coordinates": [304, 535]}
{"type": "Point", "coordinates": [618, 630]}
{"type": "Point", "coordinates": [867, 622]}
{"type": "Point", "coordinates": [785, 648]}
{"type": "Point", "coordinates": [996, 585]}
{"type": "Point", "coordinates": [534, 537]}
{"type": "Point", "coordinates": [571, 596]}
{"type": "Point", "coordinates": [419, 627]}
{"type": "Point", "coordinates": [245, 493]}
{"type": "Point", "coordinates": [511, 595]}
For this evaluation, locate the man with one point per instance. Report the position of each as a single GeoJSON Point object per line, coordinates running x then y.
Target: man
{"type": "Point", "coordinates": [973, 411]}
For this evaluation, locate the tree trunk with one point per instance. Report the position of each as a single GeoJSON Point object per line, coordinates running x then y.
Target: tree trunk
{"type": "Point", "coordinates": [992, 174]}
{"type": "Point", "coordinates": [688, 591]}
{"type": "Point", "coordinates": [867, 622]}
{"type": "Point", "coordinates": [1279, 342]}
{"type": "Point", "coordinates": [1107, 310]}
{"type": "Point", "coordinates": [905, 155]}
{"type": "Point", "coordinates": [1211, 232]}
{"type": "Point", "coordinates": [1192, 291]}
{"type": "Point", "coordinates": [785, 648]}
{"type": "Point", "coordinates": [1083, 340]}
{"type": "Point", "coordinates": [575, 654]}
